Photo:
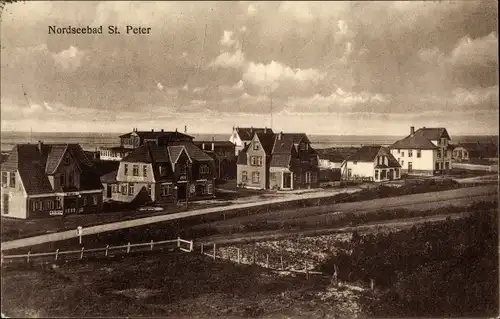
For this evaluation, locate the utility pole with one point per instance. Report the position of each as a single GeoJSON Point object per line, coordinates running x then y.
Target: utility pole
{"type": "Point", "coordinates": [187, 186]}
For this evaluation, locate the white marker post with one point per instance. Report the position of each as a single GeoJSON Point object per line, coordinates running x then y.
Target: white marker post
{"type": "Point", "coordinates": [79, 231]}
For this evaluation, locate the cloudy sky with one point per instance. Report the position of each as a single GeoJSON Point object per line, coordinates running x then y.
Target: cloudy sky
{"type": "Point", "coordinates": [321, 67]}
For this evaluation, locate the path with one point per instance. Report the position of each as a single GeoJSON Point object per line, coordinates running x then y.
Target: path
{"type": "Point", "coordinates": [437, 196]}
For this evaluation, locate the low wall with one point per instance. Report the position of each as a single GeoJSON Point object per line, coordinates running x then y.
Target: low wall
{"type": "Point", "coordinates": [476, 167]}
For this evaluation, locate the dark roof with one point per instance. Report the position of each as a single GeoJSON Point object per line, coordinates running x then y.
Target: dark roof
{"type": "Point", "coordinates": [153, 153]}
{"type": "Point", "coordinates": [195, 153]}
{"type": "Point", "coordinates": [104, 167]}
{"type": "Point", "coordinates": [169, 135]}
{"type": "Point", "coordinates": [116, 148]}
{"type": "Point", "coordinates": [366, 153]}
{"type": "Point", "coordinates": [109, 177]}
{"type": "Point", "coordinates": [247, 133]}
{"type": "Point", "coordinates": [216, 143]}
{"type": "Point", "coordinates": [281, 160]}
{"type": "Point", "coordinates": [332, 157]}
{"type": "Point", "coordinates": [478, 147]}
{"type": "Point", "coordinates": [267, 141]}
{"type": "Point", "coordinates": [242, 156]}
{"type": "Point", "coordinates": [287, 141]}
{"type": "Point", "coordinates": [421, 139]}
{"type": "Point", "coordinates": [35, 165]}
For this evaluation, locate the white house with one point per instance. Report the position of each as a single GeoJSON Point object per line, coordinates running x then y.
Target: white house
{"type": "Point", "coordinates": [329, 161]}
{"type": "Point", "coordinates": [374, 163]}
{"type": "Point", "coordinates": [426, 151]}
{"type": "Point", "coordinates": [242, 136]}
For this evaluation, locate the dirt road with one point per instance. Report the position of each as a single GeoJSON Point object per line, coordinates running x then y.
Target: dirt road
{"type": "Point", "coordinates": [467, 194]}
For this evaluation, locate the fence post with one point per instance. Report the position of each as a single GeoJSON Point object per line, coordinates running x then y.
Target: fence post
{"type": "Point", "coordinates": [372, 284]}
{"type": "Point", "coordinates": [239, 255]}
{"type": "Point", "coordinates": [151, 244]}
{"type": "Point", "coordinates": [281, 259]}
{"type": "Point", "coordinates": [201, 248]}
{"type": "Point", "coordinates": [191, 245]}
{"type": "Point", "coordinates": [28, 257]}
{"type": "Point", "coordinates": [107, 248]}
{"type": "Point", "coordinates": [128, 248]}
{"type": "Point", "coordinates": [267, 260]}
{"type": "Point", "coordinates": [215, 251]}
{"type": "Point", "coordinates": [57, 253]}
{"type": "Point", "coordinates": [178, 242]}
{"type": "Point", "coordinates": [81, 254]}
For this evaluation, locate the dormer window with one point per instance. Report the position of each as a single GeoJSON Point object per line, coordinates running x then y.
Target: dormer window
{"type": "Point", "coordinates": [66, 160]}
{"type": "Point", "coordinates": [204, 169]}
{"type": "Point", "coordinates": [256, 146]}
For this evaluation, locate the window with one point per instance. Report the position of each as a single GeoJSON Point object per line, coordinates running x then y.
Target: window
{"type": "Point", "coordinates": [439, 154]}
{"type": "Point", "coordinates": [410, 153]}
{"type": "Point", "coordinates": [85, 201]}
{"type": "Point", "coordinates": [437, 166]}
{"type": "Point", "coordinates": [419, 153]}
{"type": "Point", "coordinates": [131, 189]}
{"type": "Point", "coordinates": [355, 162]}
{"type": "Point", "coordinates": [125, 169]}
{"type": "Point", "coordinates": [272, 176]}
{"type": "Point", "coordinates": [308, 177]}
{"type": "Point", "coordinates": [410, 166]}
{"type": "Point", "coordinates": [124, 189]}
{"type": "Point", "coordinates": [399, 150]}
{"type": "Point", "coordinates": [66, 160]}
{"type": "Point", "coordinates": [135, 170]}
{"type": "Point", "coordinates": [403, 154]}
{"type": "Point", "coordinates": [383, 174]}
{"type": "Point", "coordinates": [71, 179]}
{"type": "Point", "coordinates": [94, 200]}
{"type": "Point", "coordinates": [256, 146]}
{"type": "Point", "coordinates": [114, 188]}
{"type": "Point", "coordinates": [204, 169]}
{"type": "Point", "coordinates": [210, 189]}
{"type": "Point", "coordinates": [256, 160]}
{"type": "Point", "coordinates": [166, 189]}
{"type": "Point", "coordinates": [182, 169]}
{"type": "Point", "coordinates": [402, 163]}
{"type": "Point", "coordinates": [144, 171]}
{"type": "Point", "coordinates": [314, 177]}
{"type": "Point", "coordinates": [376, 174]}
{"type": "Point", "coordinates": [4, 178]}
{"type": "Point", "coordinates": [244, 176]}
{"type": "Point", "coordinates": [62, 179]}
{"type": "Point", "coordinates": [12, 179]}
{"type": "Point", "coordinates": [58, 204]}
{"type": "Point", "coordinates": [149, 189]}
{"type": "Point", "coordinates": [396, 172]}
{"type": "Point", "coordinates": [255, 177]}
{"type": "Point", "coordinates": [399, 160]}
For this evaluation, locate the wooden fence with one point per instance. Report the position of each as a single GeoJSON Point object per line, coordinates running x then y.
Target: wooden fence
{"type": "Point", "coordinates": [181, 244]}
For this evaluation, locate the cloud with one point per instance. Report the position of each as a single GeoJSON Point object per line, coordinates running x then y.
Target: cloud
{"type": "Point", "coordinates": [271, 75]}
{"type": "Point", "coordinates": [299, 10]}
{"type": "Point", "coordinates": [481, 51]}
{"type": "Point", "coordinates": [230, 89]}
{"type": "Point", "coordinates": [47, 106]}
{"type": "Point", "coordinates": [252, 9]}
{"type": "Point", "coordinates": [159, 86]}
{"type": "Point", "coordinates": [230, 60]}
{"type": "Point", "coordinates": [485, 97]}
{"type": "Point", "coordinates": [70, 58]}
{"type": "Point", "coordinates": [227, 39]}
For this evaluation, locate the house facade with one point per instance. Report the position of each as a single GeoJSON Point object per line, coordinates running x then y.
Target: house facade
{"type": "Point", "coordinates": [474, 150]}
{"type": "Point", "coordinates": [372, 163]}
{"type": "Point", "coordinates": [42, 180]}
{"type": "Point", "coordinates": [154, 173]}
{"type": "Point", "coordinates": [426, 151]}
{"type": "Point", "coordinates": [278, 161]}
{"type": "Point", "coordinates": [223, 154]}
{"type": "Point", "coordinates": [242, 136]}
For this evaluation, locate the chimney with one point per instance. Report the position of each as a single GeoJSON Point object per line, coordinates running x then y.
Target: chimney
{"type": "Point", "coordinates": [162, 130]}
{"type": "Point", "coordinates": [265, 129]}
{"type": "Point", "coordinates": [412, 130]}
{"type": "Point", "coordinates": [152, 130]}
{"type": "Point", "coordinates": [40, 146]}
{"type": "Point", "coordinates": [185, 129]}
{"type": "Point", "coordinates": [251, 128]}
{"type": "Point", "coordinates": [213, 139]}
{"type": "Point", "coordinates": [203, 146]}
{"type": "Point", "coordinates": [233, 128]}
{"type": "Point", "coordinates": [213, 146]}
{"type": "Point", "coordinates": [280, 136]}
{"type": "Point", "coordinates": [176, 130]}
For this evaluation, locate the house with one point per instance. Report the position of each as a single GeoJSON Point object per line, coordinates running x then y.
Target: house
{"type": "Point", "coordinates": [161, 173]}
{"type": "Point", "coordinates": [254, 161]}
{"type": "Point", "coordinates": [242, 136]}
{"type": "Point", "coordinates": [223, 153]}
{"type": "Point", "coordinates": [136, 138]}
{"type": "Point", "coordinates": [40, 180]}
{"type": "Point", "coordinates": [329, 176]}
{"type": "Point", "coordinates": [424, 152]}
{"type": "Point", "coordinates": [372, 163]}
{"type": "Point", "coordinates": [474, 150]}
{"type": "Point", "coordinates": [278, 161]}
{"type": "Point", "coordinates": [330, 160]}
{"type": "Point", "coordinates": [294, 163]}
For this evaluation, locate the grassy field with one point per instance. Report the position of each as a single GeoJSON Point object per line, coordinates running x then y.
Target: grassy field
{"type": "Point", "coordinates": [184, 285]}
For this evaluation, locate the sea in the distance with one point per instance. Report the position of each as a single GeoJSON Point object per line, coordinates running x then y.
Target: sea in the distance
{"type": "Point", "coordinates": [93, 141]}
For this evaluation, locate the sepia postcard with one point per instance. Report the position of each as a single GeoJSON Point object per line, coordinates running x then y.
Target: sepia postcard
{"type": "Point", "coordinates": [249, 159]}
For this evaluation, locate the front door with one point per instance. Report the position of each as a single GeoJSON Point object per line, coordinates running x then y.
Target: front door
{"type": "Point", "coordinates": [287, 180]}
{"type": "Point", "coordinates": [108, 191]}
{"type": "Point", "coordinates": [5, 200]}
{"type": "Point", "coordinates": [181, 191]}
{"type": "Point", "coordinates": [410, 167]}
{"type": "Point", "coordinates": [391, 174]}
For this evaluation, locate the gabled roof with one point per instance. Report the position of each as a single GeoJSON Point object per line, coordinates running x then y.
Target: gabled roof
{"type": "Point", "coordinates": [478, 147]}
{"type": "Point", "coordinates": [421, 139]}
{"type": "Point", "coordinates": [153, 153]}
{"type": "Point", "coordinates": [247, 133]}
{"type": "Point", "coordinates": [109, 177]}
{"type": "Point", "coordinates": [433, 133]}
{"type": "Point", "coordinates": [366, 153]}
{"type": "Point", "coordinates": [35, 164]}
{"type": "Point", "coordinates": [332, 157]}
{"type": "Point", "coordinates": [195, 153]}
{"type": "Point", "coordinates": [267, 141]}
{"type": "Point", "coordinates": [281, 160]}
{"type": "Point", "coordinates": [216, 143]}
{"type": "Point", "coordinates": [287, 141]}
